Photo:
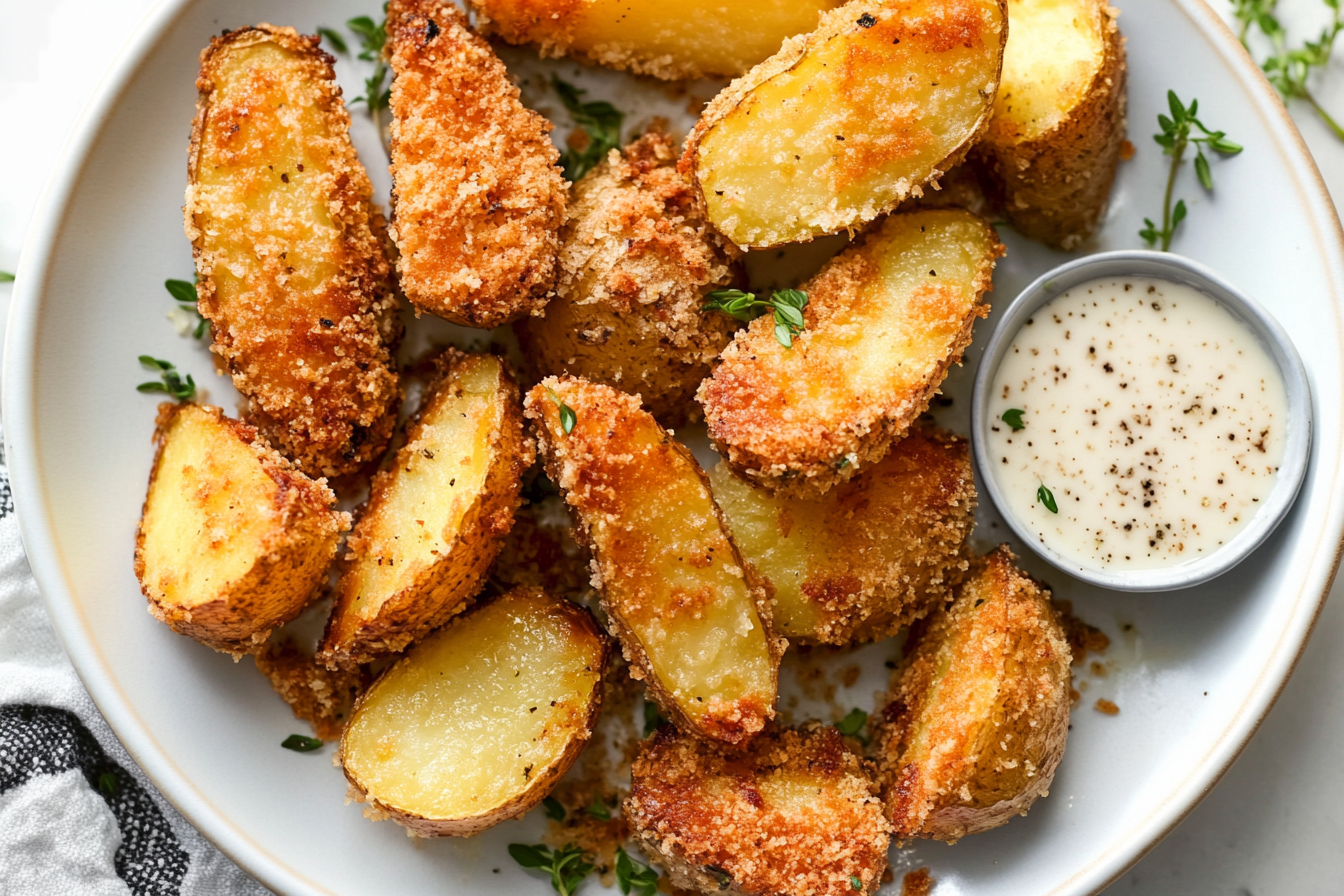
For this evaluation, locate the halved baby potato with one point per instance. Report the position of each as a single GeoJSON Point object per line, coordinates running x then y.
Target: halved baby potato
{"type": "Point", "coordinates": [976, 720]}
{"type": "Point", "coordinates": [844, 123]}
{"type": "Point", "coordinates": [692, 618]}
{"type": "Point", "coordinates": [1059, 119]}
{"type": "Point", "coordinates": [437, 515]}
{"type": "Point", "coordinates": [794, 814]}
{"type": "Point", "coordinates": [885, 320]}
{"type": "Point", "coordinates": [673, 41]}
{"type": "Point", "coordinates": [234, 539]}
{"type": "Point", "coordinates": [477, 722]}
{"type": "Point", "coordinates": [871, 555]}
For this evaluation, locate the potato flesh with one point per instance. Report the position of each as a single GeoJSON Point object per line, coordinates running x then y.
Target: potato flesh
{"type": "Point", "coordinates": [1055, 48]}
{"type": "Point", "coordinates": [476, 712]}
{"type": "Point", "coordinates": [209, 511]}
{"type": "Point", "coordinates": [421, 512]}
{"type": "Point", "coordinates": [847, 133]}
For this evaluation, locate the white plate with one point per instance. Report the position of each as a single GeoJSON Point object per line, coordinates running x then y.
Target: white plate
{"type": "Point", "coordinates": [1193, 673]}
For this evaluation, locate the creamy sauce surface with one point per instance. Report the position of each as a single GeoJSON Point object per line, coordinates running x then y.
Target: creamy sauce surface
{"type": "Point", "coordinates": [1151, 417]}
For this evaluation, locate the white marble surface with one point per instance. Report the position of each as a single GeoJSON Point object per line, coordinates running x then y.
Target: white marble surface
{"type": "Point", "coordinates": [1273, 826]}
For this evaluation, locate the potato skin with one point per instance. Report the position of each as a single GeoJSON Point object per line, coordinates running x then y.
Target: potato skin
{"type": "Point", "coordinates": [308, 328]}
{"type": "Point", "coordinates": [477, 199]}
{"type": "Point", "coordinates": [290, 565]}
{"type": "Point", "coordinates": [540, 785]}
{"type": "Point", "coordinates": [964, 751]}
{"type": "Point", "coordinates": [444, 588]}
{"type": "Point", "coordinates": [637, 259]}
{"type": "Point", "coordinates": [706, 814]}
{"type": "Point", "coordinates": [1055, 187]}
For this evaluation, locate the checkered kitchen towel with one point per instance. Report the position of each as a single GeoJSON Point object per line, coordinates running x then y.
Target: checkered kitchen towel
{"type": "Point", "coordinates": [77, 817]}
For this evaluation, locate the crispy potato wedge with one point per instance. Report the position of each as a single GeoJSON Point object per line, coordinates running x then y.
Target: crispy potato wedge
{"type": "Point", "coordinates": [234, 540]}
{"type": "Point", "coordinates": [291, 253]}
{"type": "Point", "coordinates": [477, 199]}
{"type": "Point", "coordinates": [1059, 119]}
{"type": "Point", "coordinates": [976, 720]}
{"type": "Point", "coordinates": [673, 41]}
{"type": "Point", "coordinates": [437, 515]}
{"type": "Point", "coordinates": [885, 320]}
{"type": "Point", "coordinates": [796, 814]}
{"type": "Point", "coordinates": [638, 258]}
{"type": "Point", "coordinates": [844, 123]}
{"type": "Point", "coordinates": [691, 617]}
{"type": "Point", "coordinates": [476, 724]}
{"type": "Point", "coordinates": [871, 555]}
{"type": "Point", "coordinates": [317, 695]}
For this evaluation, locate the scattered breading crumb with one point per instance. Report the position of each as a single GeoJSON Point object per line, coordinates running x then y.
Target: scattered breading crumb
{"type": "Point", "coordinates": [1107, 707]}
{"type": "Point", "coordinates": [917, 883]}
{"type": "Point", "coordinates": [320, 697]}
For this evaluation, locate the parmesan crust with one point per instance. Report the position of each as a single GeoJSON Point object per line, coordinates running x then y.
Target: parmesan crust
{"type": "Point", "coordinates": [477, 199]}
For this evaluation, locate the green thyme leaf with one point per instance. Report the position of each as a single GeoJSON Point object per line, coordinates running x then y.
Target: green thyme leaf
{"type": "Point", "coordinates": [1013, 417]}
{"type": "Point", "coordinates": [567, 867]}
{"type": "Point", "coordinates": [852, 724]}
{"type": "Point", "coordinates": [1046, 497]}
{"type": "Point", "coordinates": [108, 784]}
{"type": "Point", "coordinates": [599, 120]}
{"type": "Point", "coordinates": [855, 883]}
{"type": "Point", "coordinates": [652, 717]}
{"type": "Point", "coordinates": [301, 744]}
{"type": "Point", "coordinates": [181, 290]}
{"type": "Point", "coordinates": [787, 304]}
{"type": "Point", "coordinates": [842, 462]}
{"type": "Point", "coordinates": [372, 38]}
{"type": "Point", "coordinates": [598, 809]}
{"type": "Point", "coordinates": [1178, 133]}
{"type": "Point", "coordinates": [6, 277]}
{"type": "Point", "coordinates": [170, 381]}
{"type": "Point", "coordinates": [567, 416]}
{"type": "Point", "coordinates": [554, 809]}
{"type": "Point", "coordinates": [335, 40]}
{"type": "Point", "coordinates": [634, 877]}
{"type": "Point", "coordinates": [1289, 68]}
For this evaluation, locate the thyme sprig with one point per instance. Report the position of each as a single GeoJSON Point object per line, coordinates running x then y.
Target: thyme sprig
{"type": "Point", "coordinates": [170, 381]}
{"type": "Point", "coordinates": [788, 305]}
{"type": "Point", "coordinates": [567, 867]}
{"type": "Point", "coordinates": [600, 122]}
{"type": "Point", "coordinates": [852, 724]}
{"type": "Point", "coordinates": [1179, 132]}
{"type": "Point", "coordinates": [634, 877]}
{"type": "Point", "coordinates": [185, 292]}
{"type": "Point", "coordinates": [372, 37]}
{"type": "Point", "coordinates": [567, 416]}
{"type": "Point", "coordinates": [1288, 68]}
{"type": "Point", "coordinates": [554, 809]}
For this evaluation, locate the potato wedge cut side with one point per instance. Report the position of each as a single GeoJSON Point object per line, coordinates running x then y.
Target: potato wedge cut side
{"type": "Point", "coordinates": [637, 260]}
{"type": "Point", "coordinates": [673, 41]}
{"type": "Point", "coordinates": [692, 619]}
{"type": "Point", "coordinates": [795, 814]}
{"type": "Point", "coordinates": [844, 123]}
{"type": "Point", "coordinates": [871, 555]}
{"type": "Point", "coordinates": [234, 540]}
{"type": "Point", "coordinates": [437, 515]}
{"type": "Point", "coordinates": [1059, 119]}
{"type": "Point", "coordinates": [290, 251]}
{"type": "Point", "coordinates": [477, 199]}
{"type": "Point", "coordinates": [476, 724]}
{"type": "Point", "coordinates": [976, 721]}
{"type": "Point", "coordinates": [885, 320]}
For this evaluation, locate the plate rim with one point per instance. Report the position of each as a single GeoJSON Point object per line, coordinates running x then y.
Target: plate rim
{"type": "Point", "coordinates": [17, 399]}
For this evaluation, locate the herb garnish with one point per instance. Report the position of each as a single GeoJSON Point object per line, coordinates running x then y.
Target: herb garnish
{"type": "Point", "coordinates": [600, 122]}
{"type": "Point", "coordinates": [554, 809]}
{"type": "Point", "coordinates": [567, 416]}
{"type": "Point", "coordinates": [337, 42]}
{"type": "Point", "coordinates": [1013, 417]}
{"type": "Point", "coordinates": [788, 305]}
{"type": "Point", "coordinates": [855, 883]}
{"type": "Point", "coordinates": [598, 809]}
{"type": "Point", "coordinates": [1287, 69]}
{"type": "Point", "coordinates": [6, 277]}
{"type": "Point", "coordinates": [1176, 136]}
{"type": "Point", "coordinates": [852, 724]}
{"type": "Point", "coordinates": [1046, 497]}
{"type": "Point", "coordinates": [300, 744]}
{"type": "Point", "coordinates": [172, 382]}
{"type": "Point", "coordinates": [185, 292]}
{"type": "Point", "coordinates": [566, 867]}
{"type": "Point", "coordinates": [652, 717]}
{"type": "Point", "coordinates": [372, 38]}
{"type": "Point", "coordinates": [634, 877]}
{"type": "Point", "coordinates": [107, 783]}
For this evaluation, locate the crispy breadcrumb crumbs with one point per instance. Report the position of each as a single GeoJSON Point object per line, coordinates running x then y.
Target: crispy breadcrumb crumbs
{"type": "Point", "coordinates": [917, 883]}
{"type": "Point", "coordinates": [1106, 707]}
{"type": "Point", "coordinates": [636, 261]}
{"type": "Point", "coordinates": [477, 199]}
{"type": "Point", "coordinates": [794, 814]}
{"type": "Point", "coordinates": [317, 695]}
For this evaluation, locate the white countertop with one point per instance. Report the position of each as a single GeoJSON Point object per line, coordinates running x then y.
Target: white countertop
{"type": "Point", "coordinates": [1274, 825]}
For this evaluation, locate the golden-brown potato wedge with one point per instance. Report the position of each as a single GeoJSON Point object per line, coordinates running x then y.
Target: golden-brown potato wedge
{"type": "Point", "coordinates": [692, 618]}
{"type": "Point", "coordinates": [234, 540]}
{"type": "Point", "coordinates": [673, 41]}
{"type": "Point", "coordinates": [637, 259]}
{"type": "Point", "coordinates": [885, 320]}
{"type": "Point", "coordinates": [796, 814]}
{"type": "Point", "coordinates": [975, 723]}
{"type": "Point", "coordinates": [477, 200]}
{"type": "Point", "coordinates": [844, 123]}
{"type": "Point", "coordinates": [319, 696]}
{"type": "Point", "coordinates": [476, 724]}
{"type": "Point", "coordinates": [290, 252]}
{"type": "Point", "coordinates": [1059, 119]}
{"type": "Point", "coordinates": [437, 514]}
{"type": "Point", "coordinates": [871, 555]}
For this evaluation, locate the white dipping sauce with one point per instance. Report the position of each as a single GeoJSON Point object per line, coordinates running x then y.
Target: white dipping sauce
{"type": "Point", "coordinates": [1154, 418]}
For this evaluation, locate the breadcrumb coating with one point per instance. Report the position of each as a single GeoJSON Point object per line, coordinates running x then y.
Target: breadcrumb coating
{"type": "Point", "coordinates": [976, 720]}
{"type": "Point", "coordinates": [291, 253]}
{"type": "Point", "coordinates": [317, 695]}
{"type": "Point", "coordinates": [636, 260]}
{"type": "Point", "coordinates": [795, 814]}
{"type": "Point", "coordinates": [477, 199]}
